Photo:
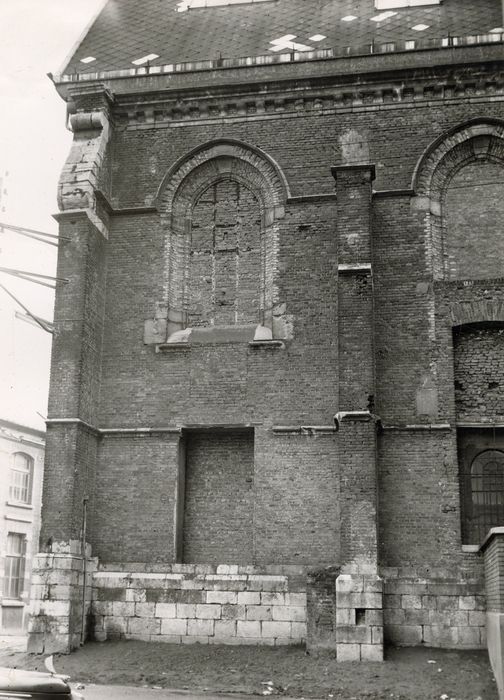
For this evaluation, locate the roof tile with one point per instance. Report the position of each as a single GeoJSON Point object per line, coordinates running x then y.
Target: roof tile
{"type": "Point", "coordinates": [128, 29]}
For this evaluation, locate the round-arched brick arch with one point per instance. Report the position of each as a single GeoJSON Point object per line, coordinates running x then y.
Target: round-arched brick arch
{"type": "Point", "coordinates": [478, 140]}
{"type": "Point", "coordinates": [181, 189]}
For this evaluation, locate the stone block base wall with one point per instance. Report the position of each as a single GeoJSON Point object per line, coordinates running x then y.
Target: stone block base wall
{"type": "Point", "coordinates": [57, 597]}
{"type": "Point", "coordinates": [191, 604]}
{"type": "Point", "coordinates": [359, 618]}
{"type": "Point", "coordinates": [434, 612]}
{"type": "Point", "coordinates": [232, 604]}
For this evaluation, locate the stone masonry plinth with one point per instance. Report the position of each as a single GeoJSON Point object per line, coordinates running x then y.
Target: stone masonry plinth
{"type": "Point", "coordinates": [200, 604]}
{"type": "Point", "coordinates": [359, 618]}
{"type": "Point", "coordinates": [58, 621]}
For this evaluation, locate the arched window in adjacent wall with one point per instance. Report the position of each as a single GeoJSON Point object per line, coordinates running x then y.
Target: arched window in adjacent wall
{"type": "Point", "coordinates": [484, 495]}
{"type": "Point", "coordinates": [21, 483]}
{"type": "Point", "coordinates": [459, 182]}
{"type": "Point", "coordinates": [473, 212]}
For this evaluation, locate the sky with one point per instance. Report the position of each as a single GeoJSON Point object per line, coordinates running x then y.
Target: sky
{"type": "Point", "coordinates": [35, 38]}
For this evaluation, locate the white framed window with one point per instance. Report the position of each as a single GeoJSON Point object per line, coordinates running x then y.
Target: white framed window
{"type": "Point", "coordinates": [15, 563]}
{"type": "Point", "coordinates": [21, 483]}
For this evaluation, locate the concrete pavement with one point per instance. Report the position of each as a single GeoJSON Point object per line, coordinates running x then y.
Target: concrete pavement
{"type": "Point", "coordinates": [13, 643]}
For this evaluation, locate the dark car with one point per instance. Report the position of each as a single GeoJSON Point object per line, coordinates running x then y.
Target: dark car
{"type": "Point", "coordinates": [33, 684]}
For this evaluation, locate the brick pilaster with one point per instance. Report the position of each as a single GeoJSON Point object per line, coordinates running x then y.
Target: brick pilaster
{"type": "Point", "coordinates": [72, 437]}
{"type": "Point", "coordinates": [359, 618]}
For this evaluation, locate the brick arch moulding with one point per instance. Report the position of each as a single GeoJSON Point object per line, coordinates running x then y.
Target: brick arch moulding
{"type": "Point", "coordinates": [220, 207]}
{"type": "Point", "coordinates": [478, 142]}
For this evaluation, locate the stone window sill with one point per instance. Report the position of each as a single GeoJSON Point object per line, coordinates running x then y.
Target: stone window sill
{"type": "Point", "coordinates": [169, 347]}
{"type": "Point", "coordinates": [254, 336]}
{"type": "Point", "coordinates": [19, 504]}
{"type": "Point", "coordinates": [471, 548]}
{"type": "Point", "coordinates": [12, 603]}
{"type": "Point", "coordinates": [266, 344]}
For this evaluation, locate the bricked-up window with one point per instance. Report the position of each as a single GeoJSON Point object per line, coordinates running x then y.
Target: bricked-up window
{"type": "Point", "coordinates": [479, 372]}
{"type": "Point", "coordinates": [219, 505]}
{"type": "Point", "coordinates": [484, 495]}
{"type": "Point", "coordinates": [473, 211]}
{"type": "Point", "coordinates": [15, 562]}
{"type": "Point", "coordinates": [224, 276]}
{"type": "Point", "coordinates": [20, 489]}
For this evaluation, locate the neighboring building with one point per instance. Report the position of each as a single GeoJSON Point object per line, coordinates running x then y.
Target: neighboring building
{"type": "Point", "coordinates": [25, 351]}
{"type": "Point", "coordinates": [21, 470]}
{"type": "Point", "coordinates": [276, 410]}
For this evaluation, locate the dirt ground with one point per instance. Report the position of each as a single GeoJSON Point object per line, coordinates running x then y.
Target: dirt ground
{"type": "Point", "coordinates": [407, 674]}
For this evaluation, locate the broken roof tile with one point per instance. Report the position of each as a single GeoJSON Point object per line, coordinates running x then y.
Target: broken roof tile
{"type": "Point", "coordinates": [127, 30]}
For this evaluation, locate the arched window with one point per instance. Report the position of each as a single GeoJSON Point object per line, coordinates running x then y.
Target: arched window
{"type": "Point", "coordinates": [221, 207]}
{"type": "Point", "coordinates": [484, 502]}
{"type": "Point", "coordinates": [21, 482]}
{"type": "Point", "coordinates": [473, 210]}
{"type": "Point", "coordinates": [459, 182]}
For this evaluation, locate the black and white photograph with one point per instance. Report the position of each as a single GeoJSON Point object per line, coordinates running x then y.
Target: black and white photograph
{"type": "Point", "coordinates": [252, 349]}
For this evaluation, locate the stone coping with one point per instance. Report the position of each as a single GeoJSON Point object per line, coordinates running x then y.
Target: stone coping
{"type": "Point", "coordinates": [494, 532]}
{"type": "Point", "coordinates": [204, 569]}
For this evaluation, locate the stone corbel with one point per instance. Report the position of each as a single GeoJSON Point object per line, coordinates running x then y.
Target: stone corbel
{"type": "Point", "coordinates": [80, 177]}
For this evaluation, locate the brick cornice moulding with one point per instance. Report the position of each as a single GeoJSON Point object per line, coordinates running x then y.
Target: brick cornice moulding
{"type": "Point", "coordinates": [138, 432]}
{"type": "Point", "coordinates": [480, 425]}
{"type": "Point", "coordinates": [254, 103]}
{"type": "Point", "coordinates": [102, 198]}
{"type": "Point", "coordinates": [386, 194]}
{"type": "Point", "coordinates": [417, 427]}
{"type": "Point", "coordinates": [115, 432]}
{"type": "Point", "coordinates": [72, 421]}
{"type": "Point", "coordinates": [354, 268]}
{"type": "Point", "coordinates": [309, 430]}
{"type": "Point", "coordinates": [368, 170]}
{"type": "Point", "coordinates": [73, 215]}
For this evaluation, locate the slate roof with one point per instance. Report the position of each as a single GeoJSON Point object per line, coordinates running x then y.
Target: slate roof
{"type": "Point", "coordinates": [127, 30]}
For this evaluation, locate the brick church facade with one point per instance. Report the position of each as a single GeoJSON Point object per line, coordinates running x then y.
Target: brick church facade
{"type": "Point", "coordinates": [276, 410]}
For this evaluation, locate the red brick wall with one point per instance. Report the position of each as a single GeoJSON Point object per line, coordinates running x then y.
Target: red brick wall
{"type": "Point", "coordinates": [479, 373]}
{"type": "Point", "coordinates": [473, 213]}
{"type": "Point", "coordinates": [133, 517]}
{"type": "Point", "coordinates": [309, 145]}
{"type": "Point", "coordinates": [296, 479]}
{"type": "Point", "coordinates": [297, 506]}
{"type": "Point", "coordinates": [419, 499]}
{"type": "Point", "coordinates": [219, 498]}
{"type": "Point", "coordinates": [225, 277]}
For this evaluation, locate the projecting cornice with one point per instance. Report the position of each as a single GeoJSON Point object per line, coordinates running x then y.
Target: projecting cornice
{"type": "Point", "coordinates": [339, 94]}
